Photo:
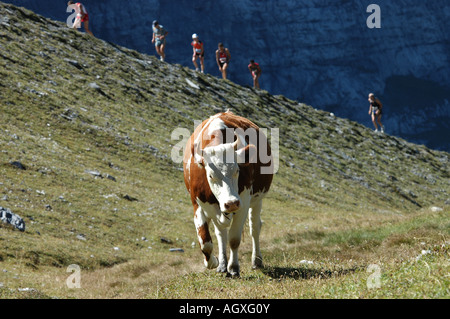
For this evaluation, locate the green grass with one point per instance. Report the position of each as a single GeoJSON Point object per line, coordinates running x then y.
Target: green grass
{"type": "Point", "coordinates": [343, 198]}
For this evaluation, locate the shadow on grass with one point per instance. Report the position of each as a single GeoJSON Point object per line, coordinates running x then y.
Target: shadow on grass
{"type": "Point", "coordinates": [305, 272]}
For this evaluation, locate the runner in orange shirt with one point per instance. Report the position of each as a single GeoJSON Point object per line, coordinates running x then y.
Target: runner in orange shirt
{"type": "Point", "coordinates": [198, 52]}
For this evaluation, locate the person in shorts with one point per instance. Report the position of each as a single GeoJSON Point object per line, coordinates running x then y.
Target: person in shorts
{"type": "Point", "coordinates": [82, 16]}
{"type": "Point", "coordinates": [159, 39]}
{"type": "Point", "coordinates": [255, 71]}
{"type": "Point", "coordinates": [376, 110]}
{"type": "Point", "coordinates": [223, 59]}
{"type": "Point", "coordinates": [198, 52]}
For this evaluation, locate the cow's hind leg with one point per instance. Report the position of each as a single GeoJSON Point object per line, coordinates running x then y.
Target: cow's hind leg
{"type": "Point", "coordinates": [255, 230]}
{"type": "Point", "coordinates": [204, 238]}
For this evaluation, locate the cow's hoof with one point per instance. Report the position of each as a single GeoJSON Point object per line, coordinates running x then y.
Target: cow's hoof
{"type": "Point", "coordinates": [212, 263]}
{"type": "Point", "coordinates": [233, 275]}
{"type": "Point", "coordinates": [257, 263]}
{"type": "Point", "coordinates": [222, 268]}
{"type": "Point", "coordinates": [233, 271]}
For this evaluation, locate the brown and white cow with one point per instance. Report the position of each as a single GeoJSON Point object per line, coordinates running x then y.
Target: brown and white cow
{"type": "Point", "coordinates": [227, 171]}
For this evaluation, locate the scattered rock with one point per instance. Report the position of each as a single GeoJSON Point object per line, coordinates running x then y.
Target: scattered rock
{"type": "Point", "coordinates": [111, 177]}
{"type": "Point", "coordinates": [74, 63]}
{"type": "Point", "coordinates": [18, 165]}
{"type": "Point", "coordinates": [8, 217]}
{"type": "Point", "coordinates": [36, 92]}
{"type": "Point", "coordinates": [436, 209]}
{"type": "Point", "coordinates": [81, 237]}
{"type": "Point", "coordinates": [131, 199]}
{"type": "Point", "coordinates": [176, 250]}
{"type": "Point", "coordinates": [195, 86]}
{"type": "Point", "coordinates": [94, 86]}
{"type": "Point", "coordinates": [94, 173]}
{"type": "Point", "coordinates": [26, 290]}
{"type": "Point", "coordinates": [69, 114]}
{"type": "Point", "coordinates": [307, 262]}
{"type": "Point", "coordinates": [165, 240]}
{"type": "Point", "coordinates": [423, 253]}
{"type": "Point", "coordinates": [392, 178]}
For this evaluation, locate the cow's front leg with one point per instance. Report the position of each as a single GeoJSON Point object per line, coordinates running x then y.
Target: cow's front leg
{"type": "Point", "coordinates": [234, 236]}
{"type": "Point", "coordinates": [255, 230]}
{"type": "Point", "coordinates": [222, 238]}
{"type": "Point", "coordinates": [204, 238]}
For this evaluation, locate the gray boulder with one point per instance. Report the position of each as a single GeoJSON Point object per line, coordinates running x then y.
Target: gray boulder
{"type": "Point", "coordinates": [8, 217]}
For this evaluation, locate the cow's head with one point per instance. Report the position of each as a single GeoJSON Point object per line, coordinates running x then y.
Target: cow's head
{"type": "Point", "coordinates": [222, 164]}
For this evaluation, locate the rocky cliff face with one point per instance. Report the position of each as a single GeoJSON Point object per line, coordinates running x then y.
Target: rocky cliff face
{"type": "Point", "coordinates": [319, 52]}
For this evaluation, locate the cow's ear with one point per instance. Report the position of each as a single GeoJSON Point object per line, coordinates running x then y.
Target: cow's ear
{"type": "Point", "coordinates": [247, 155]}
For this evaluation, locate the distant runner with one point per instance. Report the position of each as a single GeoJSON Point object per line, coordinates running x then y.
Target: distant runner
{"type": "Point", "coordinates": [159, 39]}
{"type": "Point", "coordinates": [223, 59]}
{"type": "Point", "coordinates": [82, 16]}
{"type": "Point", "coordinates": [198, 52]}
{"type": "Point", "coordinates": [375, 110]}
{"type": "Point", "coordinates": [255, 71]}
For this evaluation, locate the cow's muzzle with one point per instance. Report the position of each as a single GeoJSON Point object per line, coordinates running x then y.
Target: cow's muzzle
{"type": "Point", "coordinates": [231, 207]}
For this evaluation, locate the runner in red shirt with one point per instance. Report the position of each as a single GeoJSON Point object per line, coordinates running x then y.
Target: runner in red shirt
{"type": "Point", "coordinates": [255, 70]}
{"type": "Point", "coordinates": [223, 59]}
{"type": "Point", "coordinates": [82, 16]}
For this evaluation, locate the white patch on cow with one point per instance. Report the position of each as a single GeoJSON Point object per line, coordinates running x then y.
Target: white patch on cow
{"type": "Point", "coordinates": [213, 212]}
{"type": "Point", "coordinates": [258, 196]}
{"type": "Point", "coordinates": [199, 221]}
{"type": "Point", "coordinates": [200, 137]}
{"type": "Point", "coordinates": [188, 168]}
{"type": "Point", "coordinates": [200, 134]}
{"type": "Point", "coordinates": [216, 125]}
{"type": "Point", "coordinates": [222, 174]}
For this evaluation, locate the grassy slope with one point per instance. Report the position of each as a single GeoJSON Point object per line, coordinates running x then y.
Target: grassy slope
{"type": "Point", "coordinates": [347, 198]}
